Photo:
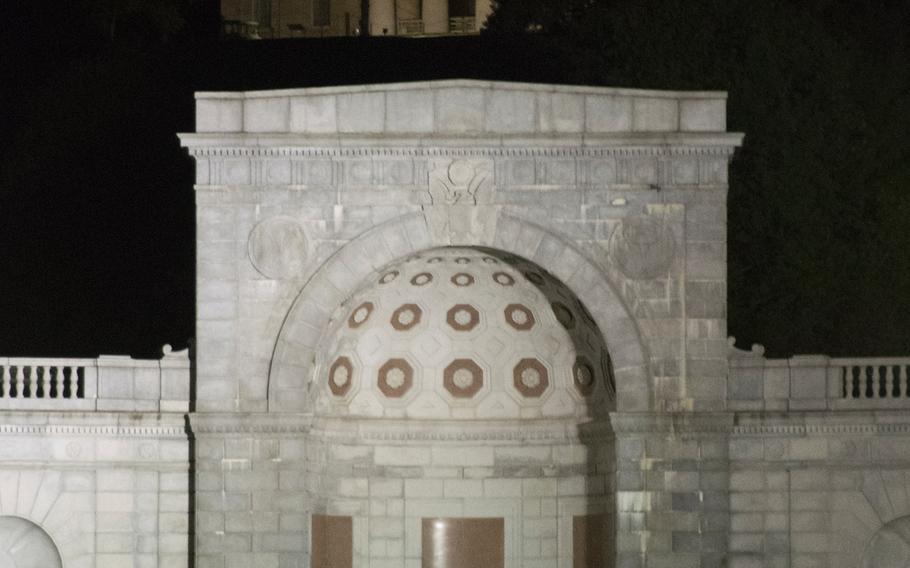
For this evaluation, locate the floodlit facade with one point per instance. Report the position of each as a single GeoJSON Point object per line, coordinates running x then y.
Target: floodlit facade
{"type": "Point", "coordinates": [259, 19]}
{"type": "Point", "coordinates": [432, 314]}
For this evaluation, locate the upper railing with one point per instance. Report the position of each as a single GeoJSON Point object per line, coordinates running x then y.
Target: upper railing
{"type": "Point", "coordinates": [816, 382]}
{"type": "Point", "coordinates": [110, 383]}
{"type": "Point", "coordinates": [878, 382]}
{"type": "Point", "coordinates": [411, 26]}
{"type": "Point", "coordinates": [462, 25]}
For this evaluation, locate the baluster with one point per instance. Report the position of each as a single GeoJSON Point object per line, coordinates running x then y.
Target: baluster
{"type": "Point", "coordinates": [903, 381]}
{"type": "Point", "coordinates": [74, 382]}
{"type": "Point", "coordinates": [67, 384]}
{"type": "Point", "coordinates": [878, 381]}
{"type": "Point", "coordinates": [4, 382]}
{"type": "Point", "coordinates": [48, 381]}
{"type": "Point", "coordinates": [61, 381]}
{"type": "Point", "coordinates": [79, 373]}
{"type": "Point", "coordinates": [867, 374]}
{"type": "Point", "coordinates": [19, 381]}
{"type": "Point", "coordinates": [889, 381]}
{"type": "Point", "coordinates": [55, 382]}
{"type": "Point", "coordinates": [854, 378]}
{"type": "Point", "coordinates": [38, 381]}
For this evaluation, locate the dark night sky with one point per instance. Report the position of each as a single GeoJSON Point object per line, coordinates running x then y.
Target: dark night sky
{"type": "Point", "coordinates": [96, 199]}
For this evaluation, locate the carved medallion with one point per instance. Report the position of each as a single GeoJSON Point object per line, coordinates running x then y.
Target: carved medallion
{"type": "Point", "coordinates": [360, 315]}
{"type": "Point", "coordinates": [463, 378]}
{"type": "Point", "coordinates": [563, 315]}
{"type": "Point", "coordinates": [503, 279]}
{"type": "Point", "coordinates": [519, 317]}
{"type": "Point", "coordinates": [530, 378]}
{"type": "Point", "coordinates": [583, 376]}
{"type": "Point", "coordinates": [422, 279]}
{"type": "Point", "coordinates": [463, 317]}
{"type": "Point", "coordinates": [277, 247]}
{"type": "Point", "coordinates": [462, 279]}
{"type": "Point", "coordinates": [642, 247]}
{"type": "Point", "coordinates": [395, 378]}
{"type": "Point", "coordinates": [406, 317]}
{"type": "Point", "coordinates": [340, 376]}
{"type": "Point", "coordinates": [460, 181]}
{"type": "Point", "coordinates": [388, 277]}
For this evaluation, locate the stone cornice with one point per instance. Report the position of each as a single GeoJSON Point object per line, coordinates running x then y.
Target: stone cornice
{"type": "Point", "coordinates": [245, 423]}
{"type": "Point", "coordinates": [95, 430]}
{"type": "Point", "coordinates": [403, 431]}
{"type": "Point", "coordinates": [822, 423]}
{"type": "Point", "coordinates": [820, 429]}
{"type": "Point", "coordinates": [132, 425]}
{"type": "Point", "coordinates": [398, 431]}
{"type": "Point", "coordinates": [672, 422]}
{"type": "Point", "coordinates": [207, 145]}
{"type": "Point", "coordinates": [458, 83]}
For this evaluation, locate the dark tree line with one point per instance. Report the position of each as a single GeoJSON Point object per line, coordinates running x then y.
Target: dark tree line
{"type": "Point", "coordinates": [819, 203]}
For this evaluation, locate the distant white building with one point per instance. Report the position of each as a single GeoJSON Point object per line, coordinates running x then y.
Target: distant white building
{"type": "Point", "coordinates": [324, 18]}
{"type": "Point", "coordinates": [457, 324]}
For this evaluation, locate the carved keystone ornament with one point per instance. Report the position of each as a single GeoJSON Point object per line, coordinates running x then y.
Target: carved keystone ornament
{"type": "Point", "coordinates": [463, 182]}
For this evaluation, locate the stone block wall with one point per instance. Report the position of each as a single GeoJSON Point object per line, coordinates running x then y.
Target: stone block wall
{"type": "Point", "coordinates": [672, 490]}
{"type": "Point", "coordinates": [251, 504]}
{"type": "Point", "coordinates": [389, 478]}
{"type": "Point", "coordinates": [810, 489]}
{"type": "Point", "coordinates": [110, 490]}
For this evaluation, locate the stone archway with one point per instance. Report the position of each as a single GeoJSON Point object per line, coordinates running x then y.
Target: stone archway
{"type": "Point", "coordinates": [23, 544]}
{"type": "Point", "coordinates": [295, 349]}
{"type": "Point", "coordinates": [889, 547]}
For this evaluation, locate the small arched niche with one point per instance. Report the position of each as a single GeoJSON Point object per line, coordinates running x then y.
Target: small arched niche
{"type": "Point", "coordinates": [23, 544]}
{"type": "Point", "coordinates": [889, 547]}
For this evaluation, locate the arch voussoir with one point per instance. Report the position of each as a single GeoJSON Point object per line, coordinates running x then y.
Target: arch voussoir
{"type": "Point", "coordinates": [294, 355]}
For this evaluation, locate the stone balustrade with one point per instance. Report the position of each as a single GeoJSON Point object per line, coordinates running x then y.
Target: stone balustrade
{"type": "Point", "coordinates": [110, 383]}
{"type": "Point", "coordinates": [870, 382]}
{"type": "Point", "coordinates": [816, 382]}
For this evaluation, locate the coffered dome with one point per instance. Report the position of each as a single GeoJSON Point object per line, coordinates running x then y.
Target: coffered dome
{"type": "Point", "coordinates": [462, 333]}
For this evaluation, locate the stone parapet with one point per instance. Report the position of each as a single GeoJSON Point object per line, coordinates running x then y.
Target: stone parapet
{"type": "Point", "coordinates": [110, 383]}
{"type": "Point", "coordinates": [109, 488]}
{"type": "Point", "coordinates": [460, 107]}
{"type": "Point", "coordinates": [817, 382]}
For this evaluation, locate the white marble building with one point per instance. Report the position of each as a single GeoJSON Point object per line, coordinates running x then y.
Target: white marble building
{"type": "Point", "coordinates": [449, 312]}
{"type": "Point", "coordinates": [258, 19]}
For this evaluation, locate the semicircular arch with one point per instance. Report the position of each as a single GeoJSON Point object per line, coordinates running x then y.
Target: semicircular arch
{"type": "Point", "coordinates": [295, 349]}
{"type": "Point", "coordinates": [25, 544]}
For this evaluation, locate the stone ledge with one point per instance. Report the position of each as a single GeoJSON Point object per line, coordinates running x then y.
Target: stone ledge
{"type": "Point", "coordinates": [240, 144]}
{"type": "Point", "coordinates": [672, 422]}
{"type": "Point", "coordinates": [461, 106]}
{"type": "Point", "coordinates": [133, 424]}
{"type": "Point", "coordinates": [244, 423]}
